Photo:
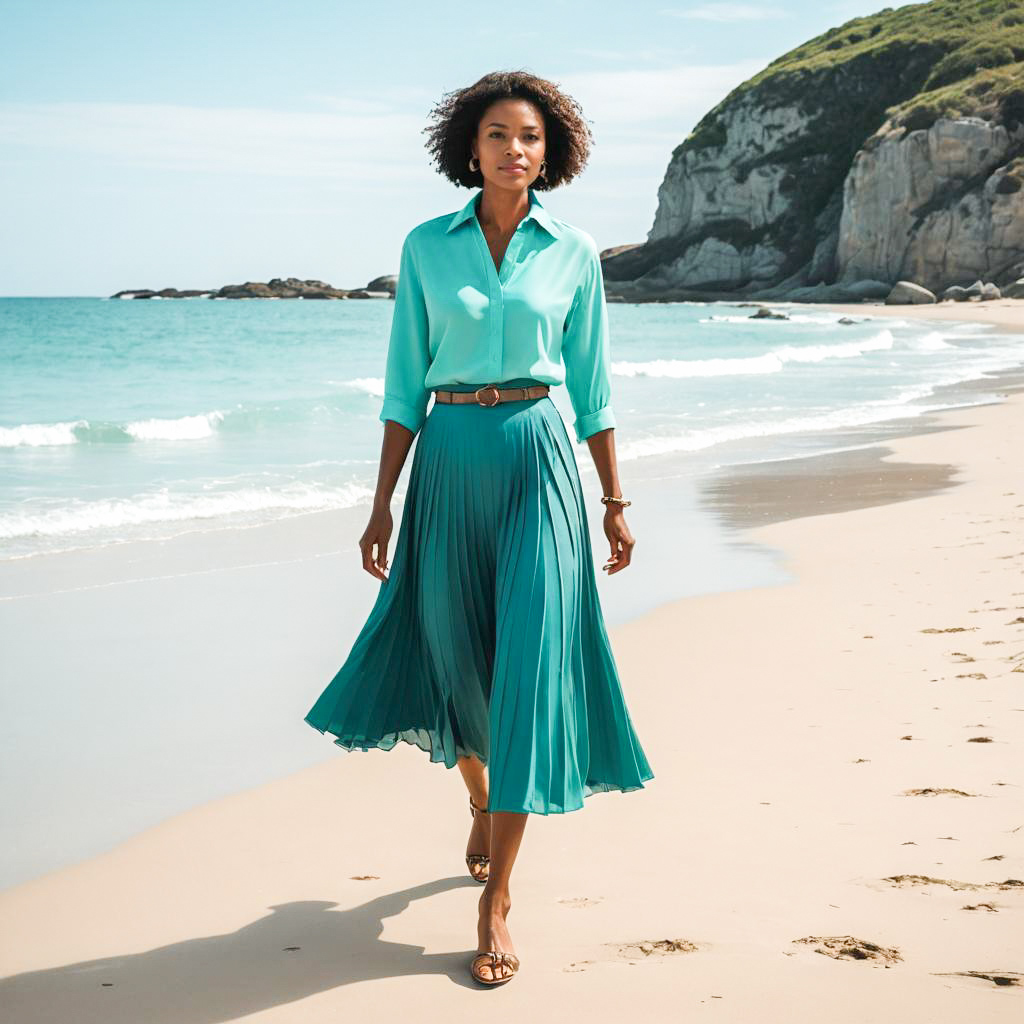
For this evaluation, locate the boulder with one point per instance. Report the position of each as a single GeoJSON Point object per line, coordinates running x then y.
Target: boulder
{"type": "Point", "coordinates": [385, 283]}
{"type": "Point", "coordinates": [906, 293]}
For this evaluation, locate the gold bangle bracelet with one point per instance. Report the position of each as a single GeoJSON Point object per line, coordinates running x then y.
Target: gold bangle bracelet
{"type": "Point", "coordinates": [607, 499]}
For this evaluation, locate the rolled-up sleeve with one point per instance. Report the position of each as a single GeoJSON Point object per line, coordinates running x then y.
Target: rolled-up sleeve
{"type": "Point", "coordinates": [587, 353]}
{"type": "Point", "coordinates": [408, 358]}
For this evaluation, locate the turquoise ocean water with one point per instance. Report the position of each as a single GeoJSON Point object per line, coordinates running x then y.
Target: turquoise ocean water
{"type": "Point", "coordinates": [127, 419]}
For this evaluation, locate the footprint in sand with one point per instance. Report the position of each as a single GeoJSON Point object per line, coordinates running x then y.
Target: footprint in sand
{"type": "Point", "coordinates": [936, 791]}
{"type": "Point", "coordinates": [636, 952]}
{"type": "Point", "coordinates": [1001, 978]}
{"type": "Point", "coordinates": [847, 947]}
{"type": "Point", "coordinates": [578, 902]}
{"type": "Point", "coordinates": [645, 948]}
{"type": "Point", "coordinates": [1009, 885]}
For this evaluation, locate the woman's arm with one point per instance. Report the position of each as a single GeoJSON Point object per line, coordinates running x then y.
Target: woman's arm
{"type": "Point", "coordinates": [403, 410]}
{"type": "Point", "coordinates": [393, 452]}
{"type": "Point", "coordinates": [587, 354]}
{"type": "Point", "coordinates": [602, 450]}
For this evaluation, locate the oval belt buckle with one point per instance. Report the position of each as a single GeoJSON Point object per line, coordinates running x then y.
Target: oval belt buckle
{"type": "Point", "coordinates": [488, 387]}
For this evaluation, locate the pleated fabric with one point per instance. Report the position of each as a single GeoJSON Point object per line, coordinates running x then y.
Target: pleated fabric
{"type": "Point", "coordinates": [488, 638]}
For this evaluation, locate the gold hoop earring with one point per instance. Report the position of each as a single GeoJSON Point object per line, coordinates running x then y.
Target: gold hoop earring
{"type": "Point", "coordinates": [471, 167]}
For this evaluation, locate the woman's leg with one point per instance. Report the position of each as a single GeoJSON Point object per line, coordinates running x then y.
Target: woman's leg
{"type": "Point", "coordinates": [498, 834]}
{"type": "Point", "coordinates": [507, 829]}
{"type": "Point", "coordinates": [474, 774]}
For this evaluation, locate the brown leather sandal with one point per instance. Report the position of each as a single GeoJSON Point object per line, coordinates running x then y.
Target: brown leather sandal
{"type": "Point", "coordinates": [494, 959]}
{"type": "Point", "coordinates": [479, 861]}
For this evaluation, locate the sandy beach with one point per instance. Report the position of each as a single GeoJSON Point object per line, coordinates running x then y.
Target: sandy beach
{"type": "Point", "coordinates": [835, 828]}
{"type": "Point", "coordinates": [1004, 314]}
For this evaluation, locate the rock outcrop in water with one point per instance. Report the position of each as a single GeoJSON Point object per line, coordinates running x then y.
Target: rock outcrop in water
{"type": "Point", "coordinates": [276, 288]}
{"type": "Point", "coordinates": [888, 149]}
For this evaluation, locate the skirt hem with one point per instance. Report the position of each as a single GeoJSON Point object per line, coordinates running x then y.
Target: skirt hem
{"type": "Point", "coordinates": [417, 738]}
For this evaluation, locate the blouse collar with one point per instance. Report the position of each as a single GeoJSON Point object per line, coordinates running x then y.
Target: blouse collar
{"type": "Point", "coordinates": [536, 211]}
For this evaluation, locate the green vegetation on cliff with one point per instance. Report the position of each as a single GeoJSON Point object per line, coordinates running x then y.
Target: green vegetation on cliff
{"type": "Point", "coordinates": [913, 63]}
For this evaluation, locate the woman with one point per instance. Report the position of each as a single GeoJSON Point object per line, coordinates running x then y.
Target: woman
{"type": "Point", "coordinates": [486, 645]}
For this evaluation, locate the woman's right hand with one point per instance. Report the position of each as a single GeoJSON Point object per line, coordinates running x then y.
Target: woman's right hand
{"type": "Point", "coordinates": [377, 532]}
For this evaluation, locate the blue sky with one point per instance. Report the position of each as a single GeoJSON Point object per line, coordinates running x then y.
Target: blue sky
{"type": "Point", "coordinates": [190, 144]}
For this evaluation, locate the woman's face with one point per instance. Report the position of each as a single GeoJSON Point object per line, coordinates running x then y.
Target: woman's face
{"type": "Point", "coordinates": [510, 144]}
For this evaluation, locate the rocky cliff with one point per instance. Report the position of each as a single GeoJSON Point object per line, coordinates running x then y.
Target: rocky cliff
{"type": "Point", "coordinates": [275, 288]}
{"type": "Point", "coordinates": [889, 148]}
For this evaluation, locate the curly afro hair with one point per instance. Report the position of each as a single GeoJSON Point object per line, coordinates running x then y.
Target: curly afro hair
{"type": "Point", "coordinates": [457, 117]}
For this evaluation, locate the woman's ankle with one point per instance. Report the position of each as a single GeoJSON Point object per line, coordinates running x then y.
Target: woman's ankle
{"type": "Point", "coordinates": [495, 902]}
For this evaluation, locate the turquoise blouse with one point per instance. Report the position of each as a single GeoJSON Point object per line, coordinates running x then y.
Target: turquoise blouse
{"type": "Point", "coordinates": [457, 320]}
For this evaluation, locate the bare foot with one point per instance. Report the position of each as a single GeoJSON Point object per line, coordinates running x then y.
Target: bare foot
{"type": "Point", "coordinates": [479, 842]}
{"type": "Point", "coordinates": [492, 933]}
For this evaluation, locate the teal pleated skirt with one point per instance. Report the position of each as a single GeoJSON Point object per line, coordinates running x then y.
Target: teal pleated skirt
{"type": "Point", "coordinates": [487, 638]}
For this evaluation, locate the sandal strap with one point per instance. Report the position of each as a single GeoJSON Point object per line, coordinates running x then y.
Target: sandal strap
{"type": "Point", "coordinates": [477, 858]}
{"type": "Point", "coordinates": [474, 808]}
{"type": "Point", "coordinates": [497, 957]}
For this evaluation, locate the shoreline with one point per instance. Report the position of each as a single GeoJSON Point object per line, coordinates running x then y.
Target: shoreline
{"type": "Point", "coordinates": [745, 495]}
{"type": "Point", "coordinates": [1007, 314]}
{"type": "Point", "coordinates": [789, 727]}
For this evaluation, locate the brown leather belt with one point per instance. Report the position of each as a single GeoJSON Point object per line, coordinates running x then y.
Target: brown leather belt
{"type": "Point", "coordinates": [490, 394]}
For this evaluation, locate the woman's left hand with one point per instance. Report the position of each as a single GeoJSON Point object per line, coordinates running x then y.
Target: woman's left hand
{"type": "Point", "coordinates": [621, 540]}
